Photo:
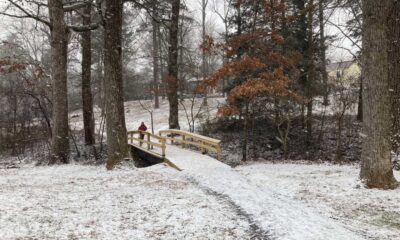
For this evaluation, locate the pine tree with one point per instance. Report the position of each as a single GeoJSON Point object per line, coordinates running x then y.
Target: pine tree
{"type": "Point", "coordinates": [258, 65]}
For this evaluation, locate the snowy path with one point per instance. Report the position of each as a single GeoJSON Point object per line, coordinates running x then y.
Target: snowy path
{"type": "Point", "coordinates": [335, 192]}
{"type": "Point", "coordinates": [274, 213]}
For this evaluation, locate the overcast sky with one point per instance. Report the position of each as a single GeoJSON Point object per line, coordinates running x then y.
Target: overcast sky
{"type": "Point", "coordinates": [334, 54]}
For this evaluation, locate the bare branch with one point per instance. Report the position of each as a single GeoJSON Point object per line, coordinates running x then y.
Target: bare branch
{"type": "Point", "coordinates": [27, 14]}
{"type": "Point", "coordinates": [345, 34]}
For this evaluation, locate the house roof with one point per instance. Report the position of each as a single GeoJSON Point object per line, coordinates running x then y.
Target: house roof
{"type": "Point", "coordinates": [339, 65]}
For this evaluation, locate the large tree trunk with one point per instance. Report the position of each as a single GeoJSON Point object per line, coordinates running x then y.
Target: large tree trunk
{"type": "Point", "coordinates": [87, 98]}
{"type": "Point", "coordinates": [115, 117]}
{"type": "Point", "coordinates": [394, 72]}
{"type": "Point", "coordinates": [156, 68]}
{"type": "Point", "coordinates": [172, 79]}
{"type": "Point", "coordinates": [59, 49]}
{"type": "Point", "coordinates": [376, 167]}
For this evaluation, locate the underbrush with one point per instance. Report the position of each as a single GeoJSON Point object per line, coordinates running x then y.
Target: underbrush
{"type": "Point", "coordinates": [37, 152]}
{"type": "Point", "coordinates": [265, 146]}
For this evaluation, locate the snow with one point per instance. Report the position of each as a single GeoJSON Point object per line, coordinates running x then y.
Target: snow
{"type": "Point", "coordinates": [279, 216]}
{"type": "Point", "coordinates": [334, 192]}
{"type": "Point", "coordinates": [83, 202]}
{"type": "Point", "coordinates": [206, 200]}
{"type": "Point", "coordinates": [135, 114]}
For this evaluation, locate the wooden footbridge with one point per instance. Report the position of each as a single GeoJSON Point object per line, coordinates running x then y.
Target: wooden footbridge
{"type": "Point", "coordinates": [148, 149]}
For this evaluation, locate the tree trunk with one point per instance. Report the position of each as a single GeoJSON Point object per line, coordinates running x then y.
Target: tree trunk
{"type": "Point", "coordinates": [115, 117]}
{"type": "Point", "coordinates": [172, 79]}
{"type": "Point", "coordinates": [360, 101]}
{"type": "Point", "coordinates": [156, 69]}
{"type": "Point", "coordinates": [376, 167]}
{"type": "Point", "coordinates": [204, 67]}
{"type": "Point", "coordinates": [245, 133]}
{"type": "Point", "coordinates": [323, 50]}
{"type": "Point", "coordinates": [180, 62]}
{"type": "Point", "coordinates": [163, 86]}
{"type": "Point", "coordinates": [239, 27]}
{"type": "Point", "coordinates": [394, 72]}
{"type": "Point", "coordinates": [87, 98]}
{"type": "Point", "coordinates": [59, 51]}
{"type": "Point", "coordinates": [309, 122]}
{"type": "Point", "coordinates": [339, 152]}
{"type": "Point", "coordinates": [311, 75]}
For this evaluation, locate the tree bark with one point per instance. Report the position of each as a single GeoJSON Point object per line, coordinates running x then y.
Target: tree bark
{"type": "Point", "coordinates": [376, 167]}
{"type": "Point", "coordinates": [59, 51]}
{"type": "Point", "coordinates": [245, 133]}
{"type": "Point", "coordinates": [360, 101]}
{"type": "Point", "coordinates": [172, 79]}
{"type": "Point", "coordinates": [115, 116]}
{"type": "Point", "coordinates": [323, 50]}
{"type": "Point", "coordinates": [156, 68]}
{"type": "Point", "coordinates": [162, 58]}
{"type": "Point", "coordinates": [204, 67]}
{"type": "Point", "coordinates": [311, 75]}
{"type": "Point", "coordinates": [180, 62]}
{"type": "Point", "coordinates": [87, 98]}
{"type": "Point", "coordinates": [394, 72]}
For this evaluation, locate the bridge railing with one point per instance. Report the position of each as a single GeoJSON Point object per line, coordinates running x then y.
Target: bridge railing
{"type": "Point", "coordinates": [149, 140]}
{"type": "Point", "coordinates": [191, 139]}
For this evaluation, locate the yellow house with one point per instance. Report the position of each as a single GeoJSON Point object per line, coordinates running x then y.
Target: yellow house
{"type": "Point", "coordinates": [345, 72]}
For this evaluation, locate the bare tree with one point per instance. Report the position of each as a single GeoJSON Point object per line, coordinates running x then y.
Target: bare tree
{"type": "Point", "coordinates": [344, 99]}
{"type": "Point", "coordinates": [59, 34]}
{"type": "Point", "coordinates": [192, 114]}
{"type": "Point", "coordinates": [150, 110]}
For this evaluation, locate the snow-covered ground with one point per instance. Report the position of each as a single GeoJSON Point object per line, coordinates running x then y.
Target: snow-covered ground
{"type": "Point", "coordinates": [207, 200]}
{"type": "Point", "coordinates": [335, 193]}
{"type": "Point", "coordinates": [135, 114]}
{"type": "Point", "coordinates": [82, 202]}
{"type": "Point", "coordinates": [278, 216]}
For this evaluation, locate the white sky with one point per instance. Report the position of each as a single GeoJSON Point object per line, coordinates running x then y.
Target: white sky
{"type": "Point", "coordinates": [334, 54]}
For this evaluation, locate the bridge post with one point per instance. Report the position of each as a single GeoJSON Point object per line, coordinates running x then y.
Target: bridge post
{"type": "Point", "coordinates": [130, 137]}
{"type": "Point", "coordinates": [163, 147]}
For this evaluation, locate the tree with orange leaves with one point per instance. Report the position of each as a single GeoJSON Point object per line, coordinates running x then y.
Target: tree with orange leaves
{"type": "Point", "coordinates": [260, 68]}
